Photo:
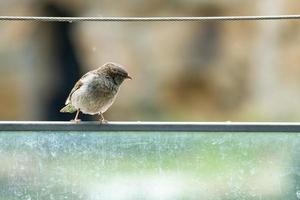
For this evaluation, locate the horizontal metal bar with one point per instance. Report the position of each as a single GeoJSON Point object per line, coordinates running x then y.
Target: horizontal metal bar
{"type": "Point", "coordinates": [149, 126]}
{"type": "Point", "coordinates": [149, 19]}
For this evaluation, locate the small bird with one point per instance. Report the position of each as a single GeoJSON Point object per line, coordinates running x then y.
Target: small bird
{"type": "Point", "coordinates": [96, 91]}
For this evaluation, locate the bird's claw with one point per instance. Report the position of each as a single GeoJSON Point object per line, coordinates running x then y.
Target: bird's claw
{"type": "Point", "coordinates": [103, 121]}
{"type": "Point", "coordinates": [76, 120]}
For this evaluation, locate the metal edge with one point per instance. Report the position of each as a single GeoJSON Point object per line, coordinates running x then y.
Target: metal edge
{"type": "Point", "coordinates": [150, 126]}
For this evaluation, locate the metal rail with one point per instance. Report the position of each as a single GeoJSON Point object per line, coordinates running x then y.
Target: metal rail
{"type": "Point", "coordinates": [149, 126]}
{"type": "Point", "coordinates": [148, 19]}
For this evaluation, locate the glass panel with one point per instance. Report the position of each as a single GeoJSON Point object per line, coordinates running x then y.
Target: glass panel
{"type": "Point", "coordinates": [151, 165]}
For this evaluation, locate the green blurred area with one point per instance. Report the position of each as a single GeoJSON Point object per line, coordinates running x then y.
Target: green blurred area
{"type": "Point", "coordinates": [149, 165]}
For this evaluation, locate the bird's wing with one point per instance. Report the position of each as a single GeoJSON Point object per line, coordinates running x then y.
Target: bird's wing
{"type": "Point", "coordinates": [77, 85]}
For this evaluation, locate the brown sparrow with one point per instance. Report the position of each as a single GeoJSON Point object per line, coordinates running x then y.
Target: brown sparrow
{"type": "Point", "coordinates": [96, 91]}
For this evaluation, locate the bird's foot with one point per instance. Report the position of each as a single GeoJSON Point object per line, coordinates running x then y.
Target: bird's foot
{"type": "Point", "coordinates": [103, 121]}
{"type": "Point", "coordinates": [76, 120]}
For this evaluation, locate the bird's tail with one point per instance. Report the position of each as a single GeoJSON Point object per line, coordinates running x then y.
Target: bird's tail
{"type": "Point", "coordinates": [68, 109]}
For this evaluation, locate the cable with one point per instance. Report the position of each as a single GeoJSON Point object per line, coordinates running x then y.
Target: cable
{"type": "Point", "coordinates": [148, 19]}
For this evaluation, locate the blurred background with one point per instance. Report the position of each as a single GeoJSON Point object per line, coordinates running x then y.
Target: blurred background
{"type": "Point", "coordinates": [183, 71]}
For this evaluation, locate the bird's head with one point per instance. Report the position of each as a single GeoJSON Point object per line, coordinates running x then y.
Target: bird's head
{"type": "Point", "coordinates": [115, 71]}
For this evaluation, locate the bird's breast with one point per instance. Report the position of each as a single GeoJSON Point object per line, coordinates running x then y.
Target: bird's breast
{"type": "Point", "coordinates": [102, 87]}
{"type": "Point", "coordinates": [95, 96]}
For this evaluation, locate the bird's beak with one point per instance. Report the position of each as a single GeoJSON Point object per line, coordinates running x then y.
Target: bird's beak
{"type": "Point", "coordinates": [128, 77]}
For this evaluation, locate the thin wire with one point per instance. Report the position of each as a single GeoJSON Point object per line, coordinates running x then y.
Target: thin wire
{"type": "Point", "coordinates": [148, 19]}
